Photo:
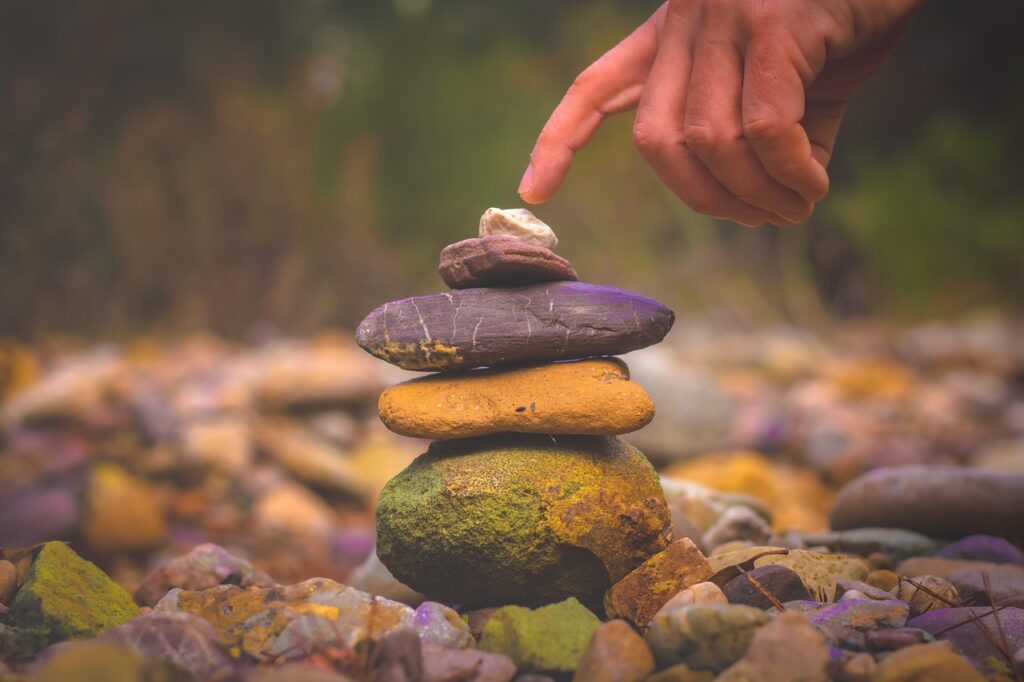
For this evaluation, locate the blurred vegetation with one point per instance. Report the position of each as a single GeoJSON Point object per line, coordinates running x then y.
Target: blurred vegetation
{"type": "Point", "coordinates": [252, 166]}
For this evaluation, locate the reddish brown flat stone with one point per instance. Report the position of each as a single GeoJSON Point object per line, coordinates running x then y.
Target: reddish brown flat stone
{"type": "Point", "coordinates": [501, 261]}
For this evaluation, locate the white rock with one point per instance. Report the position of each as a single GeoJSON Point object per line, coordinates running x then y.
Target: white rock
{"type": "Point", "coordinates": [518, 223]}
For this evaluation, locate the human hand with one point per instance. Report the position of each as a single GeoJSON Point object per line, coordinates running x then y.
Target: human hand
{"type": "Point", "coordinates": [738, 101]}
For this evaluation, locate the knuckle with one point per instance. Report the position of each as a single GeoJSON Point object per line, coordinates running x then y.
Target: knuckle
{"type": "Point", "coordinates": [763, 128]}
{"type": "Point", "coordinates": [648, 139]}
{"type": "Point", "coordinates": [703, 137]}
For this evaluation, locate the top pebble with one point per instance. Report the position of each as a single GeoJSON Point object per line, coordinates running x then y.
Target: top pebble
{"type": "Point", "coordinates": [518, 223]}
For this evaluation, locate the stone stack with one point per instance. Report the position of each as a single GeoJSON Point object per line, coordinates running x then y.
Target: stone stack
{"type": "Point", "coordinates": [526, 496]}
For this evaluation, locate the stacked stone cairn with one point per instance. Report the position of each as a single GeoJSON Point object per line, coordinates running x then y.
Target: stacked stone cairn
{"type": "Point", "coordinates": [526, 496]}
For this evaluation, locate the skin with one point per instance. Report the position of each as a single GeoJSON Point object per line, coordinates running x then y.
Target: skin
{"type": "Point", "coordinates": [738, 102]}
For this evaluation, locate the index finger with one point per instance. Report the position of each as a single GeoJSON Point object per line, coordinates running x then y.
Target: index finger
{"type": "Point", "coordinates": [610, 85]}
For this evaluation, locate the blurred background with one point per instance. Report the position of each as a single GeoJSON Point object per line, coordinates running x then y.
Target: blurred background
{"type": "Point", "coordinates": [199, 201]}
{"type": "Point", "coordinates": [254, 167]}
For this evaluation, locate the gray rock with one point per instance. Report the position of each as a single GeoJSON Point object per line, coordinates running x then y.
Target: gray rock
{"type": "Point", "coordinates": [501, 262]}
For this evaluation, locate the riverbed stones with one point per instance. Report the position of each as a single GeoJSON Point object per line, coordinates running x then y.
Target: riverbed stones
{"type": "Point", "coordinates": [521, 518]}
{"type": "Point", "coordinates": [615, 653]}
{"type": "Point", "coordinates": [519, 223]}
{"type": "Point", "coordinates": [587, 397]}
{"type": "Point", "coordinates": [501, 261]}
{"type": "Point", "coordinates": [939, 501]}
{"type": "Point", "coordinates": [471, 328]}
{"type": "Point", "coordinates": [704, 637]}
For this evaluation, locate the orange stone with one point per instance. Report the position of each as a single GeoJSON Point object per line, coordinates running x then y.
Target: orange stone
{"type": "Point", "coordinates": [588, 397]}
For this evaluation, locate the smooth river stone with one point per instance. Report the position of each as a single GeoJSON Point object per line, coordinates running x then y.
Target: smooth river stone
{"type": "Point", "coordinates": [501, 261]}
{"type": "Point", "coordinates": [470, 328]}
{"type": "Point", "coordinates": [939, 501]}
{"type": "Point", "coordinates": [588, 397]}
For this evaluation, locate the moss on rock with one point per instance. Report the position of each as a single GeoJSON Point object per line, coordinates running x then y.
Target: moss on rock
{"type": "Point", "coordinates": [521, 518]}
{"type": "Point", "coordinates": [550, 639]}
{"type": "Point", "coordinates": [66, 597]}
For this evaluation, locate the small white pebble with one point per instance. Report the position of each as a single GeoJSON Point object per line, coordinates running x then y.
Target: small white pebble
{"type": "Point", "coordinates": [518, 223]}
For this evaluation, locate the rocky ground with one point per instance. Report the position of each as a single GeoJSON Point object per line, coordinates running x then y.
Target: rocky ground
{"type": "Point", "coordinates": [218, 501]}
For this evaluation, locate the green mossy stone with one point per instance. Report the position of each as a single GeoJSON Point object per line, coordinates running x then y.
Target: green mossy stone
{"type": "Point", "coordinates": [550, 639]}
{"type": "Point", "coordinates": [521, 519]}
{"type": "Point", "coordinates": [66, 597]}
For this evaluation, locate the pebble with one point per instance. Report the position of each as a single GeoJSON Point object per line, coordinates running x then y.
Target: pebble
{"type": "Point", "coordinates": [681, 672]}
{"type": "Point", "coordinates": [933, 593]}
{"type": "Point", "coordinates": [615, 653]}
{"type": "Point", "coordinates": [644, 590]}
{"type": "Point", "coordinates": [498, 261]}
{"type": "Point", "coordinates": [308, 457]}
{"type": "Point", "coordinates": [738, 523]}
{"type": "Point", "coordinates": [923, 663]}
{"type": "Point", "coordinates": [518, 223]}
{"type": "Point", "coordinates": [587, 397]}
{"type": "Point", "coordinates": [895, 543]}
{"type": "Point", "coordinates": [782, 583]}
{"type": "Point", "coordinates": [8, 581]}
{"type": "Point", "coordinates": [819, 572]}
{"type": "Point", "coordinates": [520, 518]}
{"type": "Point", "coordinates": [704, 637]}
{"type": "Point", "coordinates": [470, 328]}
{"type": "Point", "coordinates": [859, 614]}
{"type": "Point", "coordinates": [441, 664]}
{"type": "Point", "coordinates": [858, 668]}
{"type": "Point", "coordinates": [1006, 582]}
{"type": "Point", "coordinates": [959, 626]}
{"type": "Point", "coordinates": [550, 639]}
{"type": "Point", "coordinates": [883, 579]}
{"type": "Point", "coordinates": [223, 443]}
{"type": "Point", "coordinates": [179, 638]}
{"type": "Point", "coordinates": [939, 501]}
{"type": "Point", "coordinates": [115, 495]}
{"type": "Point", "coordinates": [29, 516]}
{"type": "Point", "coordinates": [891, 640]}
{"type": "Point", "coordinates": [205, 565]}
{"type": "Point", "coordinates": [787, 648]}
{"type": "Point", "coordinates": [105, 661]}
{"type": "Point", "coordinates": [701, 594]}
{"type": "Point", "coordinates": [983, 548]}
{"type": "Point", "coordinates": [374, 577]}
{"type": "Point", "coordinates": [844, 587]}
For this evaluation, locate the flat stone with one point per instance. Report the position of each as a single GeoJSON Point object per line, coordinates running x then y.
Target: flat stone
{"type": "Point", "coordinates": [501, 262]}
{"type": "Point", "coordinates": [940, 501]}
{"type": "Point", "coordinates": [615, 653]}
{"type": "Point", "coordinates": [645, 589]}
{"type": "Point", "coordinates": [441, 664]}
{"type": "Point", "coordinates": [787, 648]}
{"type": "Point", "coordinates": [896, 638]}
{"type": "Point", "coordinates": [859, 614]}
{"type": "Point", "coordinates": [960, 626]}
{"type": "Point", "coordinates": [895, 543]}
{"type": "Point", "coordinates": [487, 327]}
{"type": "Point", "coordinates": [518, 223]}
{"type": "Point", "coordinates": [925, 662]}
{"type": "Point", "coordinates": [521, 519]}
{"type": "Point", "coordinates": [983, 548]}
{"type": "Point", "coordinates": [868, 591]}
{"type": "Point", "coordinates": [819, 572]}
{"type": "Point", "coordinates": [704, 637]}
{"type": "Point", "coordinates": [587, 397]}
{"type": "Point", "coordinates": [701, 594]}
{"type": "Point", "coordinates": [1006, 582]}
{"type": "Point", "coordinates": [550, 639]}
{"type": "Point", "coordinates": [781, 582]}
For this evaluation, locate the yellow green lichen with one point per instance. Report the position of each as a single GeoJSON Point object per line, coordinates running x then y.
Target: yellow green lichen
{"type": "Point", "coordinates": [427, 354]}
{"type": "Point", "coordinates": [550, 639]}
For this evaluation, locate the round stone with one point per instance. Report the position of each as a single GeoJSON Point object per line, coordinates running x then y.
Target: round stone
{"type": "Point", "coordinates": [521, 519]}
{"type": "Point", "coordinates": [589, 397]}
{"type": "Point", "coordinates": [940, 501]}
{"type": "Point", "coordinates": [469, 328]}
{"type": "Point", "coordinates": [518, 223]}
{"type": "Point", "coordinates": [501, 262]}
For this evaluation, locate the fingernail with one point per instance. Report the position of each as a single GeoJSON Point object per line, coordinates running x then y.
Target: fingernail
{"type": "Point", "coordinates": [526, 184]}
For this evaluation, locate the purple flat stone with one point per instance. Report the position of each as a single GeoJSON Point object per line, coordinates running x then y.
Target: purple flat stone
{"type": "Point", "coordinates": [486, 327]}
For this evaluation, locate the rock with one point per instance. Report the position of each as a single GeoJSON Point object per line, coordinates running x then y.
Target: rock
{"type": "Point", "coordinates": [859, 614]}
{"type": "Point", "coordinates": [477, 619]}
{"type": "Point", "coordinates": [858, 668]}
{"type": "Point", "coordinates": [1006, 582]}
{"type": "Point", "coordinates": [795, 497]}
{"type": "Point", "coordinates": [501, 262]}
{"type": "Point", "coordinates": [518, 223]}
{"type": "Point", "coordinates": [701, 594]}
{"type": "Point", "coordinates": [444, 665]}
{"type": "Point", "coordinates": [891, 640]}
{"type": "Point", "coordinates": [787, 648]}
{"type": "Point", "coordinates": [702, 507]}
{"type": "Point", "coordinates": [206, 565]}
{"type": "Point", "coordinates": [519, 518]}
{"type": "Point", "coordinates": [550, 639]}
{"type": "Point", "coordinates": [924, 663]}
{"type": "Point", "coordinates": [895, 543]}
{"type": "Point", "coordinates": [615, 653]}
{"type": "Point", "coordinates": [703, 637]}
{"type": "Point", "coordinates": [819, 572]}
{"type": "Point", "coordinates": [105, 662]}
{"type": "Point", "coordinates": [29, 516]}
{"type": "Point", "coordinates": [485, 327]}
{"type": "Point", "coordinates": [781, 582]}
{"type": "Point", "coordinates": [738, 523]}
{"type": "Point", "coordinates": [223, 443]}
{"type": "Point", "coordinates": [589, 397]}
{"type": "Point", "coordinates": [292, 510]}
{"type": "Point", "coordinates": [983, 548]}
{"type": "Point", "coordinates": [266, 623]}
{"type": "Point", "coordinates": [179, 638]}
{"type": "Point", "coordinates": [308, 457]}
{"type": "Point", "coordinates": [74, 391]}
{"type": "Point", "coordinates": [8, 581]}
{"type": "Point", "coordinates": [682, 673]}
{"type": "Point", "coordinates": [844, 587]}
{"type": "Point", "coordinates": [926, 593]}
{"type": "Point", "coordinates": [882, 580]}
{"type": "Point", "coordinates": [941, 501]}
{"type": "Point", "coordinates": [374, 577]}
{"type": "Point", "coordinates": [645, 589]}
{"type": "Point", "coordinates": [960, 626]}
{"type": "Point", "coordinates": [114, 496]}
{"type": "Point", "coordinates": [65, 597]}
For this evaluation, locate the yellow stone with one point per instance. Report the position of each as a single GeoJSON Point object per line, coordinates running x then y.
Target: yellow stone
{"type": "Point", "coordinates": [123, 513]}
{"type": "Point", "coordinates": [589, 397]}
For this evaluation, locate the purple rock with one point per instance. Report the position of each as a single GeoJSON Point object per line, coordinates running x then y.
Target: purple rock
{"type": "Point", "coordinates": [956, 625]}
{"type": "Point", "coordinates": [29, 516]}
{"type": "Point", "coordinates": [940, 501]}
{"type": "Point", "coordinates": [983, 548]}
{"type": "Point", "coordinates": [181, 638]}
{"type": "Point", "coordinates": [859, 614]}
{"type": "Point", "coordinates": [485, 327]}
{"type": "Point", "coordinates": [1005, 581]}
